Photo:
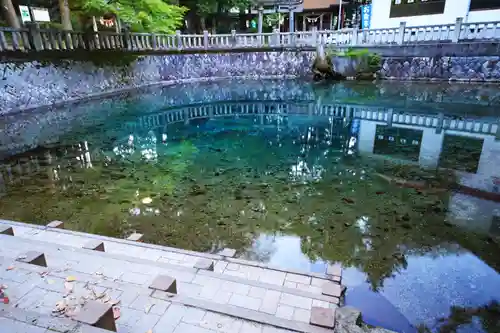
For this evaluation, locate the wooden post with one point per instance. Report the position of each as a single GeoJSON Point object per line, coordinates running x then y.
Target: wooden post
{"type": "Point", "coordinates": [401, 33]}
{"type": "Point", "coordinates": [458, 29]}
{"type": "Point", "coordinates": [205, 39]}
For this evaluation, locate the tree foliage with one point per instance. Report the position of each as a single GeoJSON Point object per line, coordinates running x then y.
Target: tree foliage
{"type": "Point", "coordinates": [142, 15]}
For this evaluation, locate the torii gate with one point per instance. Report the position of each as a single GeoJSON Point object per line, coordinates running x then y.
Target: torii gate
{"type": "Point", "coordinates": [291, 4]}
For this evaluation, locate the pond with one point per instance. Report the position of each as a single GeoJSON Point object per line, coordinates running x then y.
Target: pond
{"type": "Point", "coordinates": [397, 182]}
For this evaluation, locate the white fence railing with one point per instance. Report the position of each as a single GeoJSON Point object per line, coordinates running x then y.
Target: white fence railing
{"type": "Point", "coordinates": [35, 39]}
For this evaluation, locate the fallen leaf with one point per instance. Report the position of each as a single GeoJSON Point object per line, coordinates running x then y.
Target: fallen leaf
{"type": "Point", "coordinates": [98, 273]}
{"type": "Point", "coordinates": [116, 312]}
{"type": "Point", "coordinates": [70, 278]}
{"type": "Point", "coordinates": [68, 286]}
{"type": "Point", "coordinates": [379, 192]}
{"type": "Point", "coordinates": [10, 268]}
{"type": "Point", "coordinates": [348, 200]}
{"type": "Point", "coordinates": [60, 306]}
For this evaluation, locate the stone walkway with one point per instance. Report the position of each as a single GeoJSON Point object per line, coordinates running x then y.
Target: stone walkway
{"type": "Point", "coordinates": [206, 294]}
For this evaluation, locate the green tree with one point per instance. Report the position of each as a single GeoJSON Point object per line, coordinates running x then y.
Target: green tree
{"type": "Point", "coordinates": [141, 15]}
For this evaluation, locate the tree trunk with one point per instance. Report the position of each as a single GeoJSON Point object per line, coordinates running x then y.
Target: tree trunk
{"type": "Point", "coordinates": [10, 14]}
{"type": "Point", "coordinates": [65, 15]}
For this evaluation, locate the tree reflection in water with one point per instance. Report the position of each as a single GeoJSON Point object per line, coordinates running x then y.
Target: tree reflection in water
{"type": "Point", "coordinates": [244, 182]}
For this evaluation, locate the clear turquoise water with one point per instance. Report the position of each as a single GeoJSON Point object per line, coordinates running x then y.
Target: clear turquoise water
{"type": "Point", "coordinates": [290, 174]}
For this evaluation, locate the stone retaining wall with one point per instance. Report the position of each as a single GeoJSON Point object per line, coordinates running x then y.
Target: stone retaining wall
{"type": "Point", "coordinates": [33, 84]}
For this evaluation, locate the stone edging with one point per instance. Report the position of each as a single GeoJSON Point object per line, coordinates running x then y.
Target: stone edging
{"type": "Point", "coordinates": [167, 249]}
{"type": "Point", "coordinates": [113, 92]}
{"type": "Point", "coordinates": [241, 313]}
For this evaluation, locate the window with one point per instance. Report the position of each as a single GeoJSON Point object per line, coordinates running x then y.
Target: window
{"type": "Point", "coordinates": [484, 4]}
{"type": "Point", "coordinates": [403, 8]}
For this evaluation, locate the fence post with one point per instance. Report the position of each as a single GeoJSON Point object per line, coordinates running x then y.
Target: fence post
{"type": "Point", "coordinates": [234, 41]}
{"type": "Point", "coordinates": [34, 36]}
{"type": "Point", "coordinates": [354, 40]}
{"type": "Point", "coordinates": [458, 29]}
{"type": "Point", "coordinates": [314, 36]}
{"type": "Point", "coordinates": [179, 40]}
{"type": "Point", "coordinates": [276, 37]}
{"type": "Point", "coordinates": [205, 39]}
{"type": "Point", "coordinates": [401, 33]}
{"type": "Point", "coordinates": [154, 43]}
{"type": "Point", "coordinates": [126, 39]}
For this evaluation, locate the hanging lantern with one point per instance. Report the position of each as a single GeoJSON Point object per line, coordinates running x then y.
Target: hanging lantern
{"type": "Point", "coordinates": [107, 22]}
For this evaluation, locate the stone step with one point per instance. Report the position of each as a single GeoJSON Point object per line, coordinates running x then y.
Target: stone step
{"type": "Point", "coordinates": [14, 319]}
{"type": "Point", "coordinates": [304, 285]}
{"type": "Point", "coordinates": [223, 264]}
{"type": "Point", "coordinates": [141, 308]}
{"type": "Point", "coordinates": [268, 301]}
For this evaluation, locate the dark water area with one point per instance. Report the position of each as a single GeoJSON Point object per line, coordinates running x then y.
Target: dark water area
{"type": "Point", "coordinates": [397, 182]}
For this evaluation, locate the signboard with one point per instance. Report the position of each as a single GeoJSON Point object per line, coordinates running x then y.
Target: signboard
{"type": "Point", "coordinates": [40, 14]}
{"type": "Point", "coordinates": [366, 16]}
{"type": "Point", "coordinates": [25, 14]}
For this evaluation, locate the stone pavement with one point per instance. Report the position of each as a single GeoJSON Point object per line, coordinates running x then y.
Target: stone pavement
{"type": "Point", "coordinates": [238, 296]}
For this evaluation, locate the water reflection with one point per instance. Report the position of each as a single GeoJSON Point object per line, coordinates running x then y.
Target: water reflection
{"type": "Point", "coordinates": [294, 184]}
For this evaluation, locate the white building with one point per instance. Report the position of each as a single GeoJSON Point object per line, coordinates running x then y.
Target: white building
{"type": "Point", "coordinates": [390, 13]}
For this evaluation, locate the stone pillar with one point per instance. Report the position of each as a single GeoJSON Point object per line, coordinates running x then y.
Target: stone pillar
{"type": "Point", "coordinates": [291, 21]}
{"type": "Point", "coordinates": [34, 36]}
{"type": "Point", "coordinates": [261, 19]}
{"type": "Point", "coordinates": [458, 28]}
{"type": "Point", "coordinates": [401, 33]}
{"type": "Point", "coordinates": [303, 22]}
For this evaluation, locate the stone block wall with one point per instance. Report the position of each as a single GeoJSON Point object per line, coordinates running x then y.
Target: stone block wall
{"type": "Point", "coordinates": [34, 84]}
{"type": "Point", "coordinates": [468, 69]}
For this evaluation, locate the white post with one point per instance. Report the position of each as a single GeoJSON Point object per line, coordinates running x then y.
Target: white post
{"type": "Point", "coordinates": [314, 36]}
{"type": "Point", "coordinates": [339, 25]}
{"type": "Point", "coordinates": [401, 33]}
{"type": "Point", "coordinates": [205, 39]}
{"type": "Point", "coordinates": [458, 29]}
{"type": "Point", "coordinates": [354, 40]}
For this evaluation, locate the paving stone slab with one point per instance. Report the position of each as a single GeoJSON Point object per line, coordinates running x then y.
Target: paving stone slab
{"type": "Point", "coordinates": [227, 252]}
{"type": "Point", "coordinates": [205, 264]}
{"type": "Point", "coordinates": [164, 283]}
{"type": "Point", "coordinates": [6, 230]}
{"type": "Point", "coordinates": [136, 237]}
{"type": "Point", "coordinates": [56, 224]}
{"type": "Point", "coordinates": [94, 245]}
{"type": "Point", "coordinates": [322, 317]}
{"type": "Point", "coordinates": [332, 289]}
{"type": "Point", "coordinates": [97, 314]}
{"type": "Point", "coordinates": [34, 258]}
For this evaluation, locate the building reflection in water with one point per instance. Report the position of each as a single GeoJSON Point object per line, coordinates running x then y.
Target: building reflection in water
{"type": "Point", "coordinates": [470, 147]}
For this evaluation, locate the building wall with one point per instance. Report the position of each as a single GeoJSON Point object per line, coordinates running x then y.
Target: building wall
{"type": "Point", "coordinates": [453, 9]}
